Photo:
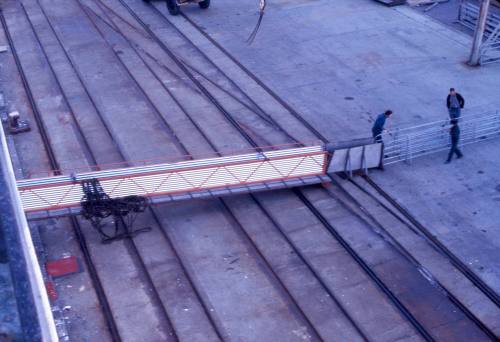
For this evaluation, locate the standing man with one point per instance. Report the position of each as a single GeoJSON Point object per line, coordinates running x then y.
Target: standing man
{"type": "Point", "coordinates": [455, 102]}
{"type": "Point", "coordinates": [455, 138]}
{"type": "Point", "coordinates": [378, 126]}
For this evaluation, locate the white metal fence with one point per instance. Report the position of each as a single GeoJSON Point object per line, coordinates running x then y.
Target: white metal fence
{"type": "Point", "coordinates": [404, 144]}
{"type": "Point", "coordinates": [490, 47]}
{"type": "Point", "coordinates": [468, 14]}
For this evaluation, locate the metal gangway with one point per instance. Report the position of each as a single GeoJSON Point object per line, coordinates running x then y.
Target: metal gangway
{"type": "Point", "coordinates": [490, 48]}
{"type": "Point", "coordinates": [405, 144]}
{"type": "Point", "coordinates": [55, 195]}
{"type": "Point", "coordinates": [278, 168]}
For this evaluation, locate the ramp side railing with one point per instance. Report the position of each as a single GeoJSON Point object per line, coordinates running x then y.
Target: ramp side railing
{"type": "Point", "coordinates": [490, 47]}
{"type": "Point", "coordinates": [468, 14]}
{"type": "Point", "coordinates": [405, 144]}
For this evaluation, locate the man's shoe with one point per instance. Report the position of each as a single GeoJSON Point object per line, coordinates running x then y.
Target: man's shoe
{"type": "Point", "coordinates": [447, 162]}
{"type": "Point", "coordinates": [460, 156]}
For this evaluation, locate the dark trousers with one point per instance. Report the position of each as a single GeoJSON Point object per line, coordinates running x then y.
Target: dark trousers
{"type": "Point", "coordinates": [454, 149]}
{"type": "Point", "coordinates": [454, 113]}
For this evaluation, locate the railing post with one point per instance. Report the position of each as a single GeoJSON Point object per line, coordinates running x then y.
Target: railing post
{"type": "Point", "coordinates": [395, 141]}
{"type": "Point", "coordinates": [498, 119]}
{"type": "Point", "coordinates": [363, 161]}
{"type": "Point", "coordinates": [407, 148]}
{"type": "Point", "coordinates": [347, 165]}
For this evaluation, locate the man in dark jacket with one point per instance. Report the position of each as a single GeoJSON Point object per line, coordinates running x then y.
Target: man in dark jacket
{"type": "Point", "coordinates": [378, 126]}
{"type": "Point", "coordinates": [455, 102]}
{"type": "Point", "coordinates": [455, 138]}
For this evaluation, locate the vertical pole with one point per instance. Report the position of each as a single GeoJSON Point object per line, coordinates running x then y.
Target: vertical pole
{"type": "Point", "coordinates": [498, 118]}
{"type": "Point", "coordinates": [475, 54]}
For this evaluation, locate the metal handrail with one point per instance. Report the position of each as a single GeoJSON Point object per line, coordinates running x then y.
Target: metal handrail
{"type": "Point", "coordinates": [490, 48]}
{"type": "Point", "coordinates": [432, 124]}
{"type": "Point", "coordinates": [468, 14]}
{"type": "Point", "coordinates": [410, 142]}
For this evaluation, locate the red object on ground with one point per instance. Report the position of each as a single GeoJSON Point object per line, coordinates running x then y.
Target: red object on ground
{"type": "Point", "coordinates": [62, 267]}
{"type": "Point", "coordinates": [51, 290]}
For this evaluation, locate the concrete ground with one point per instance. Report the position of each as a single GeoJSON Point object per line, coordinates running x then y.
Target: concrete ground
{"type": "Point", "coordinates": [341, 63]}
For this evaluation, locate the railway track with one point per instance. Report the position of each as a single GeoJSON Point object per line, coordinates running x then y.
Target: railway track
{"type": "Point", "coordinates": [227, 208]}
{"type": "Point", "coordinates": [132, 242]}
{"type": "Point", "coordinates": [413, 223]}
{"type": "Point", "coordinates": [406, 313]}
{"type": "Point", "coordinates": [78, 232]}
{"type": "Point", "coordinates": [212, 145]}
{"type": "Point", "coordinates": [55, 167]}
{"type": "Point", "coordinates": [479, 283]}
{"type": "Point", "coordinates": [155, 217]}
{"type": "Point", "coordinates": [234, 122]}
{"type": "Point", "coordinates": [400, 212]}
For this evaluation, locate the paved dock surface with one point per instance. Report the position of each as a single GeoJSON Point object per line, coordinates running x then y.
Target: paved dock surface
{"type": "Point", "coordinates": [342, 63]}
{"type": "Point", "coordinates": [110, 84]}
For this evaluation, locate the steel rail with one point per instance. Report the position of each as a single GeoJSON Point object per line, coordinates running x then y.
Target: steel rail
{"type": "Point", "coordinates": [38, 119]}
{"type": "Point", "coordinates": [393, 298]}
{"type": "Point", "coordinates": [188, 73]}
{"type": "Point", "coordinates": [320, 280]}
{"type": "Point", "coordinates": [280, 100]}
{"type": "Point", "coordinates": [79, 131]}
{"type": "Point", "coordinates": [254, 144]}
{"type": "Point", "coordinates": [258, 110]}
{"type": "Point", "coordinates": [433, 240]}
{"type": "Point", "coordinates": [81, 239]}
{"type": "Point", "coordinates": [224, 205]}
{"type": "Point", "coordinates": [54, 164]}
{"type": "Point", "coordinates": [405, 312]}
{"type": "Point", "coordinates": [490, 293]}
{"type": "Point", "coordinates": [386, 235]}
{"type": "Point", "coordinates": [170, 243]}
{"type": "Point", "coordinates": [281, 285]}
{"type": "Point", "coordinates": [261, 255]}
{"type": "Point", "coordinates": [323, 284]}
{"type": "Point", "coordinates": [138, 49]}
{"type": "Point", "coordinates": [261, 112]}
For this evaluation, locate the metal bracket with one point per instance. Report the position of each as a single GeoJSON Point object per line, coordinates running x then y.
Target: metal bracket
{"type": "Point", "coordinates": [97, 205]}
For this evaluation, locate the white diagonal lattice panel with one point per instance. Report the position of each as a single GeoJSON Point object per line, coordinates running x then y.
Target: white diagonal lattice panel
{"type": "Point", "coordinates": [172, 178]}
